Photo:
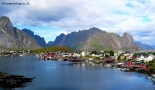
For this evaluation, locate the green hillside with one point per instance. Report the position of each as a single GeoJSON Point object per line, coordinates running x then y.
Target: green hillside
{"type": "Point", "coordinates": [54, 49]}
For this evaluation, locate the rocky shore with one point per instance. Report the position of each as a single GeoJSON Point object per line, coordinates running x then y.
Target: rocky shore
{"type": "Point", "coordinates": [13, 81]}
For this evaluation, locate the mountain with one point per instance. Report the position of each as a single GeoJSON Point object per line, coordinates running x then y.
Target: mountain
{"type": "Point", "coordinates": [12, 37]}
{"type": "Point", "coordinates": [144, 46]}
{"type": "Point", "coordinates": [50, 43]}
{"type": "Point", "coordinates": [153, 46]}
{"type": "Point", "coordinates": [95, 39]}
{"type": "Point", "coordinates": [40, 40]}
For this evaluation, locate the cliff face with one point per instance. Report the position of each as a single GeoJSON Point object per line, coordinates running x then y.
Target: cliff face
{"type": "Point", "coordinates": [96, 39]}
{"type": "Point", "coordinates": [12, 37]}
{"type": "Point", "coordinates": [127, 41]}
{"type": "Point", "coordinates": [39, 40]}
{"type": "Point", "coordinates": [60, 40]}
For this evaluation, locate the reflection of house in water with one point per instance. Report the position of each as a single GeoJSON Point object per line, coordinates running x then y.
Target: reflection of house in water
{"type": "Point", "coordinates": [109, 60]}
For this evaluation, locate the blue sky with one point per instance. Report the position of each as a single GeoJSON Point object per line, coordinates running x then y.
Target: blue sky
{"type": "Point", "coordinates": [50, 18]}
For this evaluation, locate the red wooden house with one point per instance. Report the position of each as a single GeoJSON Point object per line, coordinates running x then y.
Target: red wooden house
{"type": "Point", "coordinates": [134, 58]}
{"type": "Point", "coordinates": [50, 55]}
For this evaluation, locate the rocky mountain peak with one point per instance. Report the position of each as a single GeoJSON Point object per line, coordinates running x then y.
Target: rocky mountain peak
{"type": "Point", "coordinates": [62, 34]}
{"type": "Point", "coordinates": [5, 21]}
{"type": "Point", "coordinates": [95, 39]}
{"type": "Point", "coordinates": [12, 37]}
{"type": "Point", "coordinates": [39, 40]}
{"type": "Point", "coordinates": [59, 40]}
{"type": "Point", "coordinates": [96, 30]}
{"type": "Point", "coordinates": [128, 41]}
{"type": "Point", "coordinates": [127, 35]}
{"type": "Point", "coordinates": [29, 32]}
{"type": "Point", "coordinates": [6, 26]}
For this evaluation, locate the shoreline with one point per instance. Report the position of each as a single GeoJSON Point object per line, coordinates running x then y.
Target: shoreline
{"type": "Point", "coordinates": [13, 81]}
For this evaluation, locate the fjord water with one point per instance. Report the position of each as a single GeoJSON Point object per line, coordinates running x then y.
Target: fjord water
{"type": "Point", "coordinates": [64, 75]}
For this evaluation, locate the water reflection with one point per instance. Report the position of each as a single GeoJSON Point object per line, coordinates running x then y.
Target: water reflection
{"type": "Point", "coordinates": [61, 75]}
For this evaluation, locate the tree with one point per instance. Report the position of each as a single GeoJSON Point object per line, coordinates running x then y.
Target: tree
{"type": "Point", "coordinates": [94, 52]}
{"type": "Point", "coordinates": [121, 57]}
{"type": "Point", "coordinates": [107, 56]}
{"type": "Point", "coordinates": [111, 52]}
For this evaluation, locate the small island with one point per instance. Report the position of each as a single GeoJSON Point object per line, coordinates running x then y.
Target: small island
{"type": "Point", "coordinates": [13, 81]}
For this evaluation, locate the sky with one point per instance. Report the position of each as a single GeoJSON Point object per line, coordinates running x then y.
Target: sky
{"type": "Point", "coordinates": [50, 18]}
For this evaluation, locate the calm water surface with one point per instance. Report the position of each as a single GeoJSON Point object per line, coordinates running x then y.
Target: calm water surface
{"type": "Point", "coordinates": [61, 75]}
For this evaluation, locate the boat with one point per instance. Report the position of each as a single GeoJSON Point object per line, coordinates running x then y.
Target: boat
{"type": "Point", "coordinates": [75, 59]}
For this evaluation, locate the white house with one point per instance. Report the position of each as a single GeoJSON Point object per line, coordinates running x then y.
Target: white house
{"type": "Point", "coordinates": [76, 55]}
{"type": "Point", "coordinates": [65, 55]}
{"type": "Point", "coordinates": [83, 53]}
{"type": "Point", "coordinates": [140, 58]}
{"type": "Point", "coordinates": [152, 56]}
{"type": "Point", "coordinates": [128, 55]}
{"type": "Point", "coordinates": [96, 55]}
{"type": "Point", "coordinates": [148, 58]}
{"type": "Point", "coordinates": [116, 57]}
{"type": "Point", "coordinates": [119, 52]}
{"type": "Point", "coordinates": [102, 51]}
{"type": "Point", "coordinates": [12, 51]}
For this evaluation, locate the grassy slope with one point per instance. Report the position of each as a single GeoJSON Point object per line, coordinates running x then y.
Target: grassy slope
{"type": "Point", "coordinates": [54, 49]}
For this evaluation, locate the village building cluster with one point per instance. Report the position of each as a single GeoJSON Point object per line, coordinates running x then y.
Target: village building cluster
{"type": "Point", "coordinates": [123, 59]}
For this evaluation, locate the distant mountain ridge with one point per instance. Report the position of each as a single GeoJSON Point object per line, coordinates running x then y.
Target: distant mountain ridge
{"type": "Point", "coordinates": [12, 37]}
{"type": "Point", "coordinates": [50, 43]}
{"type": "Point", "coordinates": [153, 46]}
{"type": "Point", "coordinates": [40, 40]}
{"type": "Point", "coordinates": [95, 39]}
{"type": "Point", "coordinates": [145, 46]}
{"type": "Point", "coordinates": [91, 39]}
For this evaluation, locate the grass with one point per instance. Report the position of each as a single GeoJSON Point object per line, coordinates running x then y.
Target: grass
{"type": "Point", "coordinates": [2, 74]}
{"type": "Point", "coordinates": [54, 49]}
